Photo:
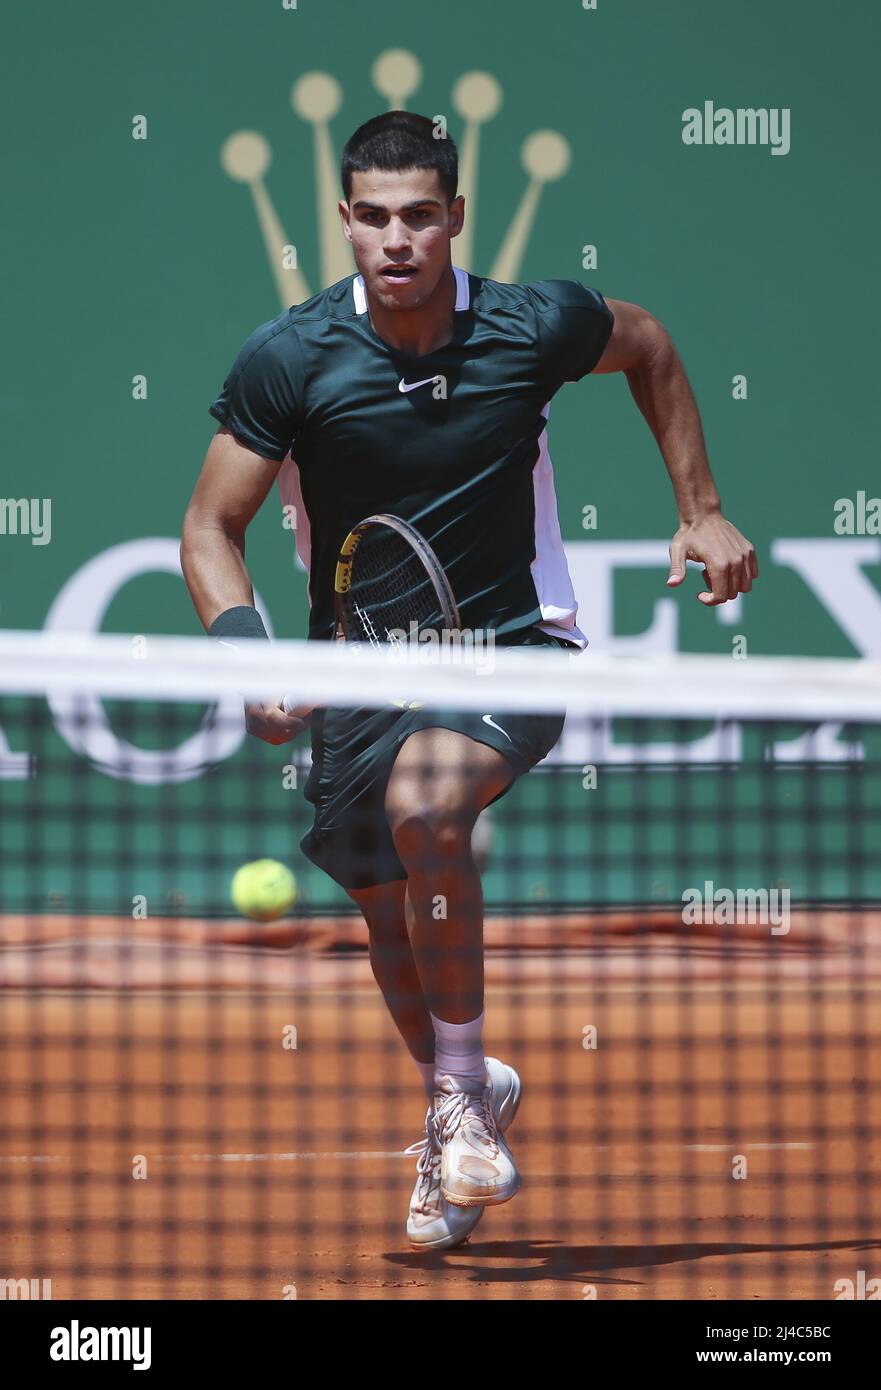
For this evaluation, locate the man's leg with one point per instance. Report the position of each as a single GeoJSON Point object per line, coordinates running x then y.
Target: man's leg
{"type": "Point", "coordinates": [432, 1223]}
{"type": "Point", "coordinates": [440, 783]}
{"type": "Point", "coordinates": [394, 969]}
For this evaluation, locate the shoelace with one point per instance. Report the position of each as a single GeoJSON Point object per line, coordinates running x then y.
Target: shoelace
{"type": "Point", "coordinates": [481, 1121]}
{"type": "Point", "coordinates": [428, 1169]}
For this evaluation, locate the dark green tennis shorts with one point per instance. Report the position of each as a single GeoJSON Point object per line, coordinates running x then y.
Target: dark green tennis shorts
{"type": "Point", "coordinates": [353, 752]}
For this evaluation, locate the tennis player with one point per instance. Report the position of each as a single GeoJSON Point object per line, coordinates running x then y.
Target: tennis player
{"type": "Point", "coordinates": [417, 389]}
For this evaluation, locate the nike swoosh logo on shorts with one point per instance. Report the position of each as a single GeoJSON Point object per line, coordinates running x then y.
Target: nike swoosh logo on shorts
{"type": "Point", "coordinates": [488, 719]}
{"type": "Point", "coordinates": [403, 385]}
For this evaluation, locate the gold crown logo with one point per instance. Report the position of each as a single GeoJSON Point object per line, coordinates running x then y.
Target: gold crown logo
{"type": "Point", "coordinates": [316, 97]}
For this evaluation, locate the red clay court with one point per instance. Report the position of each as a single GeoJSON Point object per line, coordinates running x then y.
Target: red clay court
{"type": "Point", "coordinates": [270, 1169]}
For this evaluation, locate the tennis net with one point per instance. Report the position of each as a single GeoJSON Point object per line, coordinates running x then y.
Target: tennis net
{"type": "Point", "coordinates": [683, 962]}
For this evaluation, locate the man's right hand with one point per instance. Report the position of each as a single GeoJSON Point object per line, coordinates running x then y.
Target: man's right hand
{"type": "Point", "coordinates": [270, 722]}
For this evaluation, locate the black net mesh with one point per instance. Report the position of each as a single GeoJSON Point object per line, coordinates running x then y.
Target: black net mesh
{"type": "Point", "coordinates": [682, 963]}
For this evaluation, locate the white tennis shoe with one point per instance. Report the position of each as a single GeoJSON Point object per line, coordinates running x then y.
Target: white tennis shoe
{"type": "Point", "coordinates": [434, 1223]}
{"type": "Point", "coordinates": [477, 1167]}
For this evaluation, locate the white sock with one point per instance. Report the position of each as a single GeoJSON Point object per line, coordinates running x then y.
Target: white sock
{"type": "Point", "coordinates": [459, 1050]}
{"type": "Point", "coordinates": [426, 1071]}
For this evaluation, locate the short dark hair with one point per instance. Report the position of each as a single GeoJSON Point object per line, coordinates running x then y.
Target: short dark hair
{"type": "Point", "coordinates": [399, 140]}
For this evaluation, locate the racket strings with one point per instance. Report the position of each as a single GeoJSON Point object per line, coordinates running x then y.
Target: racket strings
{"type": "Point", "coordinates": [391, 589]}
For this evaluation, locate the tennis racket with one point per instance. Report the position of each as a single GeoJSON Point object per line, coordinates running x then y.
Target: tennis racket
{"type": "Point", "coordinates": [388, 586]}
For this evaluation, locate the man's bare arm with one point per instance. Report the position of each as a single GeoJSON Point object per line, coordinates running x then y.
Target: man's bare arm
{"type": "Point", "coordinates": [642, 348]}
{"type": "Point", "coordinates": [230, 489]}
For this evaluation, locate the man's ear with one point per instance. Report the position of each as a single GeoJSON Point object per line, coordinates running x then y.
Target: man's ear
{"type": "Point", "coordinates": [457, 215]}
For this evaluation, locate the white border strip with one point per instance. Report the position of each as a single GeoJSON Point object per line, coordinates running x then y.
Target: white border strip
{"type": "Point", "coordinates": [529, 679]}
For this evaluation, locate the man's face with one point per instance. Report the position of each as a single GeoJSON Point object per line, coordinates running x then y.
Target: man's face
{"type": "Point", "coordinates": [400, 225]}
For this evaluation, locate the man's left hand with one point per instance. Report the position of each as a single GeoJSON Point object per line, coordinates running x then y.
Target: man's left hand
{"type": "Point", "coordinates": [728, 558]}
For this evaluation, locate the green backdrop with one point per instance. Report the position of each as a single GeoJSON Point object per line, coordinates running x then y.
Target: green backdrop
{"type": "Point", "coordinates": [127, 257]}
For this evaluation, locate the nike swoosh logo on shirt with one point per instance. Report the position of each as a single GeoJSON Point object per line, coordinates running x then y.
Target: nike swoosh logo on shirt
{"type": "Point", "coordinates": [404, 386]}
{"type": "Point", "coordinates": [488, 719]}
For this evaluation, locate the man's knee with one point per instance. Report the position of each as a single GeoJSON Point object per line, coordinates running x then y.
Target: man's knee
{"type": "Point", "coordinates": [428, 834]}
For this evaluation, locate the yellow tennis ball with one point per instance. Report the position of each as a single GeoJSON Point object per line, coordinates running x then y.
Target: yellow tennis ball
{"type": "Point", "coordinates": [263, 889]}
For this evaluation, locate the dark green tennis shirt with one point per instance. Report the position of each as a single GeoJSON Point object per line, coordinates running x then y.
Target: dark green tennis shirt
{"type": "Point", "coordinates": [454, 442]}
